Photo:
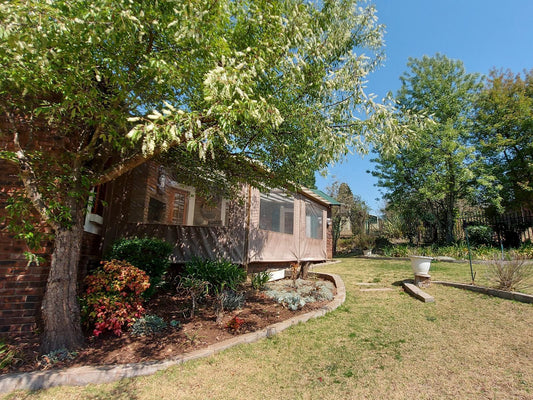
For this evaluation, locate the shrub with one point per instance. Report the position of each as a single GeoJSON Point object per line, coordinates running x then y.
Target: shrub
{"type": "Point", "coordinates": [113, 298]}
{"type": "Point", "coordinates": [221, 274]}
{"type": "Point", "coordinates": [298, 295]}
{"type": "Point", "coordinates": [148, 254]}
{"type": "Point", "coordinates": [401, 250]}
{"type": "Point", "coordinates": [175, 324]}
{"type": "Point", "coordinates": [194, 288]}
{"type": "Point", "coordinates": [526, 250]}
{"type": "Point", "coordinates": [365, 241]}
{"type": "Point", "coordinates": [260, 279]}
{"type": "Point", "coordinates": [56, 356]}
{"type": "Point", "coordinates": [148, 325]}
{"type": "Point", "coordinates": [234, 324]}
{"type": "Point", "coordinates": [232, 300]}
{"type": "Point", "coordinates": [512, 274]}
{"type": "Point", "coordinates": [480, 235]}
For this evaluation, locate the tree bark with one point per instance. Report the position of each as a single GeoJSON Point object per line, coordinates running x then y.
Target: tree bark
{"type": "Point", "coordinates": [60, 308]}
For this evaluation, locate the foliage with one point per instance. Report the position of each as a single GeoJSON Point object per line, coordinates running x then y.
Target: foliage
{"type": "Point", "coordinates": [113, 298]}
{"type": "Point", "coordinates": [480, 235]}
{"type": "Point", "coordinates": [175, 324]}
{"type": "Point", "coordinates": [365, 241]}
{"type": "Point", "coordinates": [503, 133]}
{"type": "Point", "coordinates": [193, 287]}
{"type": "Point", "coordinates": [235, 324]}
{"type": "Point", "coordinates": [220, 274]}
{"type": "Point", "coordinates": [458, 251]}
{"type": "Point", "coordinates": [248, 88]}
{"type": "Point", "coordinates": [148, 254]}
{"type": "Point", "coordinates": [232, 300]}
{"type": "Point", "coordinates": [396, 251]}
{"type": "Point", "coordinates": [260, 279]}
{"type": "Point", "coordinates": [526, 250]}
{"type": "Point", "coordinates": [510, 274]}
{"type": "Point", "coordinates": [393, 226]}
{"type": "Point", "coordinates": [353, 211]}
{"type": "Point", "coordinates": [7, 356]}
{"type": "Point", "coordinates": [148, 325]}
{"type": "Point", "coordinates": [267, 81]}
{"type": "Point", "coordinates": [297, 295]}
{"type": "Point", "coordinates": [56, 356]}
{"type": "Point", "coordinates": [428, 178]}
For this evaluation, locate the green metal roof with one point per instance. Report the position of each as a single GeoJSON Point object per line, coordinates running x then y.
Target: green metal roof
{"type": "Point", "coordinates": [327, 198]}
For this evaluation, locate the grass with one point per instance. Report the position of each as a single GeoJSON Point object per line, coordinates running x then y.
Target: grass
{"type": "Point", "coordinates": [377, 345]}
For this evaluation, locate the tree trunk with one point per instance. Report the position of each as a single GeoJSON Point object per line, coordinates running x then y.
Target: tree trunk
{"type": "Point", "coordinates": [450, 220]}
{"type": "Point", "coordinates": [60, 308]}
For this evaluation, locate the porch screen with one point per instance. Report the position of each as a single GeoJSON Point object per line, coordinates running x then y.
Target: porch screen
{"type": "Point", "coordinates": [276, 212]}
{"type": "Point", "coordinates": [313, 221]}
{"type": "Point", "coordinates": [209, 212]}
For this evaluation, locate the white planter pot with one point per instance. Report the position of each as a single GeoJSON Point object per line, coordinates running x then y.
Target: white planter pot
{"type": "Point", "coordinates": [420, 264]}
{"type": "Point", "coordinates": [276, 274]}
{"type": "Point", "coordinates": [367, 253]}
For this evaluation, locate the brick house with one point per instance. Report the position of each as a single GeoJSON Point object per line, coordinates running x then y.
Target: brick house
{"type": "Point", "coordinates": [264, 230]}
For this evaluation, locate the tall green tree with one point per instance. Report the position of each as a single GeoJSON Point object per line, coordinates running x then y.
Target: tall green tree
{"type": "Point", "coordinates": [352, 211]}
{"type": "Point", "coordinates": [504, 132]}
{"type": "Point", "coordinates": [433, 173]}
{"type": "Point", "coordinates": [266, 91]}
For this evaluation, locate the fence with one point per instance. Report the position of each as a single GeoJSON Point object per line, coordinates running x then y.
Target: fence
{"type": "Point", "coordinates": [512, 228]}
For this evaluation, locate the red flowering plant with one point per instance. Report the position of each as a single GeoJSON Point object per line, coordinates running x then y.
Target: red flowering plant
{"type": "Point", "coordinates": [113, 298]}
{"type": "Point", "coordinates": [234, 324]}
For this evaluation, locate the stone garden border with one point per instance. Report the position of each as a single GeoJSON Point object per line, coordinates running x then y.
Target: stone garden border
{"type": "Point", "coordinates": [521, 297]}
{"type": "Point", "coordinates": [80, 376]}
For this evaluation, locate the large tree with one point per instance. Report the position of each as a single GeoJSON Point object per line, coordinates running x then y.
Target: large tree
{"type": "Point", "coordinates": [353, 211]}
{"type": "Point", "coordinates": [267, 91]}
{"type": "Point", "coordinates": [504, 132]}
{"type": "Point", "coordinates": [431, 175]}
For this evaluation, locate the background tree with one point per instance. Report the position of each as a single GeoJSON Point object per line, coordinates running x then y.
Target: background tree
{"type": "Point", "coordinates": [353, 211]}
{"type": "Point", "coordinates": [433, 173]}
{"type": "Point", "coordinates": [91, 89]}
{"type": "Point", "coordinates": [504, 131]}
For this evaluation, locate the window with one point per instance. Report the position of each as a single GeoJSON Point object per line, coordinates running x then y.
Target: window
{"type": "Point", "coordinates": [276, 213]}
{"type": "Point", "coordinates": [156, 211]}
{"type": "Point", "coordinates": [209, 212]}
{"type": "Point", "coordinates": [313, 221]}
{"type": "Point", "coordinates": [97, 199]}
{"type": "Point", "coordinates": [179, 202]}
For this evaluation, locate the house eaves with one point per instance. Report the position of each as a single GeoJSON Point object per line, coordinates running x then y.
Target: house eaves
{"type": "Point", "coordinates": [320, 197]}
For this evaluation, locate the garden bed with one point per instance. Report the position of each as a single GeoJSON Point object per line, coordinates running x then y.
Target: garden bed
{"type": "Point", "coordinates": [258, 312]}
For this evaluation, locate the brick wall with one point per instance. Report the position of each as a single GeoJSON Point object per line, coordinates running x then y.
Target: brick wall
{"type": "Point", "coordinates": [21, 284]}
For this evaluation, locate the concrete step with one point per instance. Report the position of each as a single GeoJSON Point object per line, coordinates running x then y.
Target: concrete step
{"type": "Point", "coordinates": [416, 292]}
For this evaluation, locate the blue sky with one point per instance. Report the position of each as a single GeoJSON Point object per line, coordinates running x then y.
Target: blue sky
{"type": "Point", "coordinates": [483, 34]}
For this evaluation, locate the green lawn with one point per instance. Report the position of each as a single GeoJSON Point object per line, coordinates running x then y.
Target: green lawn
{"type": "Point", "coordinates": [381, 344]}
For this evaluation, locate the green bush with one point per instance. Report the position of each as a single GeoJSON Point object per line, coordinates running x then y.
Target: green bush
{"type": "Point", "coordinates": [480, 235]}
{"type": "Point", "coordinates": [148, 325]}
{"type": "Point", "coordinates": [220, 274]}
{"type": "Point", "coordinates": [232, 300]}
{"type": "Point", "coordinates": [260, 279]}
{"type": "Point", "coordinates": [148, 254]}
{"type": "Point", "coordinates": [526, 250]}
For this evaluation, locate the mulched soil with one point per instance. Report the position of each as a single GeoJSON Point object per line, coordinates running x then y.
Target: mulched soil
{"type": "Point", "coordinates": [195, 333]}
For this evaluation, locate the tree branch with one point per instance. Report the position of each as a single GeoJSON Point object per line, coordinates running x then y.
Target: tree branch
{"type": "Point", "coordinates": [28, 177]}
